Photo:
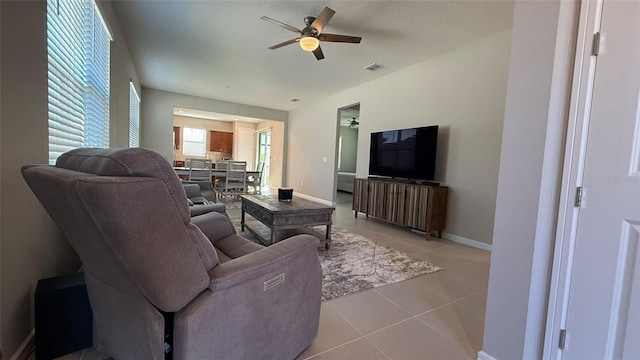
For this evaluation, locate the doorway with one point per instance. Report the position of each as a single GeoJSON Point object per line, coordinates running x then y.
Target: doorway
{"type": "Point", "coordinates": [263, 155]}
{"type": "Point", "coordinates": [346, 153]}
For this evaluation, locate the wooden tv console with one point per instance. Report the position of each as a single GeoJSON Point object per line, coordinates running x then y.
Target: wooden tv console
{"type": "Point", "coordinates": [421, 207]}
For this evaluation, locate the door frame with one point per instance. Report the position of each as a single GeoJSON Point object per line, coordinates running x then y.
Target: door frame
{"type": "Point", "coordinates": [264, 180]}
{"type": "Point", "coordinates": [575, 148]}
{"type": "Point", "coordinates": [336, 152]}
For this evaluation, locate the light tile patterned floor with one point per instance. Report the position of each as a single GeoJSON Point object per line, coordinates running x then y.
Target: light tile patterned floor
{"type": "Point", "coordinates": [434, 316]}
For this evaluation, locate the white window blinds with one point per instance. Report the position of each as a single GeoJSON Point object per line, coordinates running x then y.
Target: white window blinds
{"type": "Point", "coordinates": [194, 141]}
{"type": "Point", "coordinates": [134, 117]}
{"type": "Point", "coordinates": [97, 49]}
{"type": "Point", "coordinates": [78, 47]}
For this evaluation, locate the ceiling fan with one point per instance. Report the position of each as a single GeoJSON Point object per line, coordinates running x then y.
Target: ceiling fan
{"type": "Point", "coordinates": [311, 35]}
{"type": "Point", "coordinates": [353, 123]}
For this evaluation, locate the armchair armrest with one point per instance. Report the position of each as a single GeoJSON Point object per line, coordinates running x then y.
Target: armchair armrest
{"type": "Point", "coordinates": [214, 225]}
{"type": "Point", "coordinates": [206, 188]}
{"type": "Point", "coordinates": [264, 261]}
{"type": "Point", "coordinates": [199, 209]}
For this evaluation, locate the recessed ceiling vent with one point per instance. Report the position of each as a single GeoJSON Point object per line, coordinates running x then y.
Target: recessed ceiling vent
{"type": "Point", "coordinates": [294, 100]}
{"type": "Point", "coordinates": [372, 67]}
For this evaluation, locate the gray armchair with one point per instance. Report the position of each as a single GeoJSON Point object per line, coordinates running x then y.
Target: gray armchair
{"type": "Point", "coordinates": [151, 269]}
{"type": "Point", "coordinates": [198, 204]}
{"type": "Point", "coordinates": [206, 189]}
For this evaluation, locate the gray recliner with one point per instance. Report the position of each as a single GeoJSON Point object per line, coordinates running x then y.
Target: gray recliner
{"type": "Point", "coordinates": [149, 264]}
{"type": "Point", "coordinates": [198, 204]}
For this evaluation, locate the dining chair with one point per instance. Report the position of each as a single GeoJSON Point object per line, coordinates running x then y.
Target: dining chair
{"type": "Point", "coordinates": [235, 179]}
{"type": "Point", "coordinates": [255, 182]}
{"type": "Point", "coordinates": [199, 169]}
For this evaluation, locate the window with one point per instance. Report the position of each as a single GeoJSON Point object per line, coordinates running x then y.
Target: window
{"type": "Point", "coordinates": [194, 141]}
{"type": "Point", "coordinates": [134, 117]}
{"type": "Point", "coordinates": [78, 48]}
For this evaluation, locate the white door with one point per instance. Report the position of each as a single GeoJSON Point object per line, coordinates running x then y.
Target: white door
{"type": "Point", "coordinates": [601, 300]}
{"type": "Point", "coordinates": [245, 147]}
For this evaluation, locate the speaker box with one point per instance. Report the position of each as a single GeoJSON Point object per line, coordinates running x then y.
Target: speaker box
{"type": "Point", "coordinates": [285, 194]}
{"type": "Point", "coordinates": [63, 317]}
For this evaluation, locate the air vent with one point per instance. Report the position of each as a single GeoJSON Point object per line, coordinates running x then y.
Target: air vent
{"type": "Point", "coordinates": [372, 67]}
{"type": "Point", "coordinates": [294, 100]}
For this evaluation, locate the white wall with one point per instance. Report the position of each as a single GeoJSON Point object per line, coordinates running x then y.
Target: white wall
{"type": "Point", "coordinates": [463, 91]}
{"type": "Point", "coordinates": [156, 120]}
{"type": "Point", "coordinates": [528, 187]}
{"type": "Point", "coordinates": [32, 248]}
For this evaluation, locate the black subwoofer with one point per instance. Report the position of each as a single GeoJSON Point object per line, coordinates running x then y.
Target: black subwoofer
{"type": "Point", "coordinates": [63, 317]}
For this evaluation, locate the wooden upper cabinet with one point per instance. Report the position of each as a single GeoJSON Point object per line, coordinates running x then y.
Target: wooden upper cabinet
{"type": "Point", "coordinates": [220, 141]}
{"type": "Point", "coordinates": [176, 136]}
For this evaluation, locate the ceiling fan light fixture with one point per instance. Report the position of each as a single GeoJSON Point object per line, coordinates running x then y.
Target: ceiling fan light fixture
{"type": "Point", "coordinates": [309, 43]}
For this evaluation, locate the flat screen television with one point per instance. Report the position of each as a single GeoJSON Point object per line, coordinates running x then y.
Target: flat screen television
{"type": "Point", "coordinates": [404, 153]}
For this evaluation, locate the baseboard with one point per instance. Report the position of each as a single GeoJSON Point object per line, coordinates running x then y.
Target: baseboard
{"type": "Point", "coordinates": [26, 348]}
{"type": "Point", "coordinates": [484, 356]}
{"type": "Point", "coordinates": [465, 241]}
{"type": "Point", "coordinates": [309, 197]}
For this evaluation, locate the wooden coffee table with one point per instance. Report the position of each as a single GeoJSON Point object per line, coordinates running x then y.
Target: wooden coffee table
{"type": "Point", "coordinates": [281, 215]}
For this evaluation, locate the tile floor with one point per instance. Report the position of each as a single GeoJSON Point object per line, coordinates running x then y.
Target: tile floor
{"type": "Point", "coordinates": [434, 316]}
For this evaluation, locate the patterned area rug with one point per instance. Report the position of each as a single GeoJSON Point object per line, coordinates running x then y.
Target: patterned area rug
{"type": "Point", "coordinates": [354, 263]}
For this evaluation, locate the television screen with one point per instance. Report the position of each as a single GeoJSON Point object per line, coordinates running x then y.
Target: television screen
{"type": "Point", "coordinates": [405, 153]}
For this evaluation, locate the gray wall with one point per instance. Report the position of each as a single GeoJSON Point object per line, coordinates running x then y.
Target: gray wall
{"type": "Point", "coordinates": [156, 124]}
{"type": "Point", "coordinates": [528, 187]}
{"type": "Point", "coordinates": [31, 245]}
{"type": "Point", "coordinates": [463, 91]}
{"type": "Point", "coordinates": [349, 149]}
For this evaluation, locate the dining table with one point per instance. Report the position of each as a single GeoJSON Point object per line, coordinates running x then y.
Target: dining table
{"type": "Point", "coordinates": [184, 171]}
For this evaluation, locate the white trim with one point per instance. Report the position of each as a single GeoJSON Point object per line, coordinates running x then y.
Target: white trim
{"type": "Point", "coordinates": [133, 87]}
{"type": "Point", "coordinates": [21, 353]}
{"type": "Point", "coordinates": [463, 240]}
{"type": "Point", "coordinates": [581, 92]}
{"type": "Point", "coordinates": [309, 197]}
{"type": "Point", "coordinates": [550, 179]}
{"type": "Point", "coordinates": [263, 130]}
{"type": "Point", "coordinates": [484, 356]}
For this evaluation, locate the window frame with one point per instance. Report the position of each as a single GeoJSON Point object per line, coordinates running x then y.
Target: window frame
{"type": "Point", "coordinates": [186, 148]}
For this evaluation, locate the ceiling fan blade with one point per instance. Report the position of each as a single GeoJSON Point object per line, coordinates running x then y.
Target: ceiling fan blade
{"type": "Point", "coordinates": [322, 19]}
{"type": "Point", "coordinates": [288, 42]}
{"type": "Point", "coordinates": [281, 24]}
{"type": "Point", "coordinates": [339, 38]}
{"type": "Point", "coordinates": [318, 53]}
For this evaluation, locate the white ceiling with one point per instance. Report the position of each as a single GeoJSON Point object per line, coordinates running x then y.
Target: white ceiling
{"type": "Point", "coordinates": [218, 49]}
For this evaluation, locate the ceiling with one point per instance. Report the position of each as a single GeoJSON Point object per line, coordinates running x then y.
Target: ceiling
{"type": "Point", "coordinates": [218, 49]}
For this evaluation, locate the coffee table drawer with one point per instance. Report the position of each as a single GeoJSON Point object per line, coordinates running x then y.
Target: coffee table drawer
{"type": "Point", "coordinates": [259, 214]}
{"type": "Point", "coordinates": [302, 219]}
